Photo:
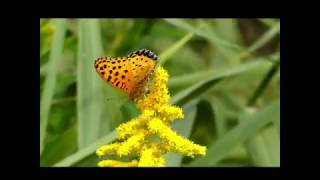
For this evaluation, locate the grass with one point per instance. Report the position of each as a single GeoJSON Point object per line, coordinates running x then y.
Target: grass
{"type": "Point", "coordinates": [88, 84]}
{"type": "Point", "coordinates": [230, 92]}
{"type": "Point", "coordinates": [50, 82]}
{"type": "Point", "coordinates": [250, 124]}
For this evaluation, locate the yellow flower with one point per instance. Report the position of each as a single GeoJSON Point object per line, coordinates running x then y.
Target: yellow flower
{"type": "Point", "coordinates": [149, 136]}
{"type": "Point", "coordinates": [174, 141]}
{"type": "Point", "coordinates": [127, 129]}
{"type": "Point", "coordinates": [133, 143]}
{"type": "Point", "coordinates": [149, 158]}
{"type": "Point", "coordinates": [107, 149]}
{"type": "Point", "coordinates": [112, 163]}
{"type": "Point", "coordinates": [159, 94]}
{"type": "Point", "coordinates": [169, 113]}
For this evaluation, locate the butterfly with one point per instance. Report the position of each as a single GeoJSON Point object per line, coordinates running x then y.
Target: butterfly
{"type": "Point", "coordinates": [129, 74]}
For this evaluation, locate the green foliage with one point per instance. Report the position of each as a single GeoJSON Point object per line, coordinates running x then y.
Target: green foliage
{"type": "Point", "coordinates": [229, 90]}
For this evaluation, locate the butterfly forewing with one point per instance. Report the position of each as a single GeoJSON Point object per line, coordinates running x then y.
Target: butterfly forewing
{"type": "Point", "coordinates": [115, 71]}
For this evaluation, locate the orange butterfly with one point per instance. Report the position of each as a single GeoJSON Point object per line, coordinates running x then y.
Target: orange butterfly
{"type": "Point", "coordinates": [129, 74]}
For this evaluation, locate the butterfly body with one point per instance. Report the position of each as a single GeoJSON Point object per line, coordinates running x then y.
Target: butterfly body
{"type": "Point", "coordinates": [129, 74]}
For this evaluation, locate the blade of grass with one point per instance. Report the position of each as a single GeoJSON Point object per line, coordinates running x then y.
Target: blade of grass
{"type": "Point", "coordinates": [53, 151]}
{"type": "Point", "coordinates": [49, 84]}
{"type": "Point", "coordinates": [87, 151]}
{"type": "Point", "coordinates": [205, 83]}
{"type": "Point", "coordinates": [43, 69]}
{"type": "Point", "coordinates": [226, 29]}
{"type": "Point", "coordinates": [164, 56]}
{"type": "Point", "coordinates": [194, 91]}
{"type": "Point", "coordinates": [119, 36]}
{"type": "Point", "coordinates": [257, 151]}
{"type": "Point", "coordinates": [187, 80]}
{"type": "Point", "coordinates": [225, 49]}
{"type": "Point", "coordinates": [268, 22]}
{"type": "Point", "coordinates": [263, 148]}
{"type": "Point", "coordinates": [210, 36]}
{"type": "Point", "coordinates": [64, 100]}
{"type": "Point", "coordinates": [88, 85]}
{"type": "Point", "coordinates": [219, 112]}
{"type": "Point", "coordinates": [222, 53]}
{"type": "Point", "coordinates": [90, 161]}
{"type": "Point", "coordinates": [250, 124]}
{"type": "Point", "coordinates": [265, 38]}
{"type": "Point", "coordinates": [264, 83]}
{"type": "Point", "coordinates": [272, 143]}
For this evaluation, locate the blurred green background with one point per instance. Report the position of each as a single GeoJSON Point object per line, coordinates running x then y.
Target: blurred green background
{"type": "Point", "coordinates": [224, 73]}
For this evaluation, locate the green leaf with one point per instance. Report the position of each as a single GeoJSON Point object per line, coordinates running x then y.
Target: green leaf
{"type": "Point", "coordinates": [60, 147]}
{"type": "Point", "coordinates": [87, 151]}
{"type": "Point", "coordinates": [164, 56]}
{"type": "Point", "coordinates": [89, 161]}
{"type": "Point", "coordinates": [272, 142]}
{"type": "Point", "coordinates": [271, 33]}
{"type": "Point", "coordinates": [208, 35]}
{"type": "Point", "coordinates": [250, 124]}
{"type": "Point", "coordinates": [89, 98]}
{"type": "Point", "coordinates": [207, 79]}
{"type": "Point", "coordinates": [264, 148]}
{"type": "Point", "coordinates": [265, 38]}
{"type": "Point", "coordinates": [269, 22]}
{"type": "Point", "coordinates": [226, 29]}
{"type": "Point", "coordinates": [220, 115]}
{"type": "Point", "coordinates": [264, 83]}
{"type": "Point", "coordinates": [257, 151]}
{"type": "Point", "coordinates": [50, 81]}
{"type": "Point", "coordinates": [189, 79]}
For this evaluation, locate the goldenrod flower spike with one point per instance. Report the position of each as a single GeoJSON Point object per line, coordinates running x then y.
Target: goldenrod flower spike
{"type": "Point", "coordinates": [170, 113]}
{"type": "Point", "coordinates": [132, 144]}
{"type": "Point", "coordinates": [107, 149]}
{"type": "Point", "coordinates": [127, 129]}
{"type": "Point", "coordinates": [112, 163]}
{"type": "Point", "coordinates": [174, 141]}
{"type": "Point", "coordinates": [159, 94]}
{"type": "Point", "coordinates": [149, 136]}
{"type": "Point", "coordinates": [149, 159]}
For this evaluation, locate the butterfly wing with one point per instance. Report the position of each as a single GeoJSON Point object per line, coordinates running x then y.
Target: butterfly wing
{"type": "Point", "coordinates": [143, 63]}
{"type": "Point", "coordinates": [115, 71]}
{"type": "Point", "coordinates": [129, 74]}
